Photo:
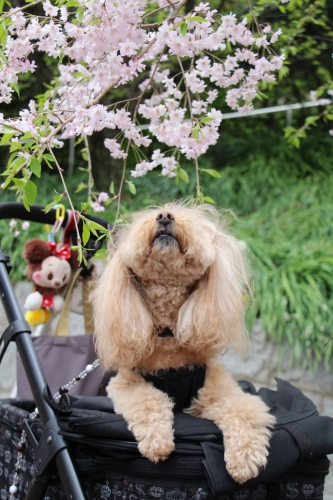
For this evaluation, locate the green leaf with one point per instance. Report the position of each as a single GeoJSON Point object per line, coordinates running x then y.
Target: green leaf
{"type": "Point", "coordinates": [26, 204]}
{"type": "Point", "coordinates": [3, 35]}
{"type": "Point", "coordinates": [3, 57]}
{"type": "Point", "coordinates": [93, 226]}
{"type": "Point", "coordinates": [30, 192]}
{"type": "Point", "coordinates": [81, 256]}
{"type": "Point", "coordinates": [16, 88]}
{"type": "Point", "coordinates": [72, 3]}
{"type": "Point", "coordinates": [197, 19]}
{"type": "Point", "coordinates": [80, 14]}
{"type": "Point", "coordinates": [84, 154]}
{"type": "Point", "coordinates": [85, 206]}
{"type": "Point", "coordinates": [100, 254]}
{"type": "Point", "coordinates": [110, 200]}
{"type": "Point", "coordinates": [85, 234]}
{"type": "Point", "coordinates": [111, 188]}
{"type": "Point", "coordinates": [47, 162]}
{"type": "Point", "coordinates": [283, 72]}
{"type": "Point", "coordinates": [183, 175]}
{"type": "Point", "coordinates": [311, 120]}
{"type": "Point", "coordinates": [48, 157]}
{"type": "Point", "coordinates": [211, 172]}
{"type": "Point", "coordinates": [26, 136]}
{"type": "Point", "coordinates": [195, 132]}
{"type": "Point", "coordinates": [288, 131]}
{"type": "Point", "coordinates": [207, 119]}
{"type": "Point", "coordinates": [15, 146]}
{"type": "Point", "coordinates": [35, 167]}
{"type": "Point", "coordinates": [7, 182]}
{"type": "Point", "coordinates": [19, 183]}
{"type": "Point", "coordinates": [56, 200]}
{"type": "Point", "coordinates": [6, 138]}
{"type": "Point", "coordinates": [160, 18]}
{"type": "Point", "coordinates": [208, 199]}
{"type": "Point", "coordinates": [80, 139]}
{"type": "Point", "coordinates": [183, 28]}
{"type": "Point", "coordinates": [81, 187]}
{"type": "Point", "coordinates": [131, 187]}
{"type": "Point", "coordinates": [261, 95]}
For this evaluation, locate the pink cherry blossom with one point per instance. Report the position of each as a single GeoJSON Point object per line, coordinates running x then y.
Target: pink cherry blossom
{"type": "Point", "coordinates": [102, 197]}
{"type": "Point", "coordinates": [108, 47]}
{"type": "Point", "coordinates": [97, 207]}
{"type": "Point", "coordinates": [50, 10]}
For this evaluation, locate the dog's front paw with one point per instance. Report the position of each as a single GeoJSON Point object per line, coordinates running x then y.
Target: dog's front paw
{"type": "Point", "coordinates": [156, 447]}
{"type": "Point", "coordinates": [245, 458]}
{"type": "Point", "coordinates": [247, 441]}
{"type": "Point", "coordinates": [246, 451]}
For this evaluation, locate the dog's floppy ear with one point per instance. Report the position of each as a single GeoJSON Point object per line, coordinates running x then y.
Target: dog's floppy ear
{"type": "Point", "coordinates": [212, 319]}
{"type": "Point", "coordinates": [123, 325]}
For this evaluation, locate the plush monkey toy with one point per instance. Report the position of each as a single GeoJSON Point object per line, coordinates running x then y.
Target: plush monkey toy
{"type": "Point", "coordinates": [49, 268]}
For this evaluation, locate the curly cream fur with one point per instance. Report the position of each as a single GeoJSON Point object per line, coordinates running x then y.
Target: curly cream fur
{"type": "Point", "coordinates": [191, 279]}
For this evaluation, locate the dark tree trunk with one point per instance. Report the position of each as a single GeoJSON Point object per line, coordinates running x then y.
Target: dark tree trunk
{"type": "Point", "coordinates": [105, 169]}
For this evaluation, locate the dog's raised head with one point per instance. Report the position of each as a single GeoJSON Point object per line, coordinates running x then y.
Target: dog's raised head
{"type": "Point", "coordinates": [168, 243]}
{"type": "Point", "coordinates": [173, 266]}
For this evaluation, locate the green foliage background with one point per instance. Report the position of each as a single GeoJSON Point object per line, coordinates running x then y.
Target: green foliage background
{"type": "Point", "coordinates": [282, 195]}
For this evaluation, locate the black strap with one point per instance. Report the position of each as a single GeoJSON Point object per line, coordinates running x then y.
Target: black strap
{"type": "Point", "coordinates": [180, 384]}
{"type": "Point", "coordinates": [301, 440]}
{"type": "Point", "coordinates": [165, 332]}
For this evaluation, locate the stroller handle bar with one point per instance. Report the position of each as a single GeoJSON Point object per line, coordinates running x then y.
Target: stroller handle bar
{"type": "Point", "coordinates": [19, 331]}
{"type": "Point", "coordinates": [16, 210]}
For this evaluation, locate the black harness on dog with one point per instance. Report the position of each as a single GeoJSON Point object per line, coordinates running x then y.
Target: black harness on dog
{"type": "Point", "coordinates": [180, 384]}
{"type": "Point", "coordinates": [164, 332]}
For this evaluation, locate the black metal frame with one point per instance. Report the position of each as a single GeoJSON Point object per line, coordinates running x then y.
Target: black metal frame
{"type": "Point", "coordinates": [52, 448]}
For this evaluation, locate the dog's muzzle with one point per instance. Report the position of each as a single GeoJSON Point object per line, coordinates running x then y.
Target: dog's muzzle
{"type": "Point", "coordinates": [165, 234]}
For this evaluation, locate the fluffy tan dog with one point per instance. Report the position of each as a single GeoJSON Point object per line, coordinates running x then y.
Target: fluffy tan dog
{"type": "Point", "coordinates": [175, 268]}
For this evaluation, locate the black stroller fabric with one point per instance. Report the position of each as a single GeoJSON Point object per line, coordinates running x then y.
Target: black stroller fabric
{"type": "Point", "coordinates": [111, 467]}
{"type": "Point", "coordinates": [300, 435]}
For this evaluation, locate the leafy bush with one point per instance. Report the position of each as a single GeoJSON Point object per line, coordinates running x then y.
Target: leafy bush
{"type": "Point", "coordinates": [285, 203]}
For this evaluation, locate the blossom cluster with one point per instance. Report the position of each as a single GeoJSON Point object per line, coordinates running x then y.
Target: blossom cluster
{"type": "Point", "coordinates": [13, 227]}
{"type": "Point", "coordinates": [106, 45]}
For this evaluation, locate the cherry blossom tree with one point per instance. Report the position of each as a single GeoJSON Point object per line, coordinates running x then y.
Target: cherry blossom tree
{"type": "Point", "coordinates": [179, 62]}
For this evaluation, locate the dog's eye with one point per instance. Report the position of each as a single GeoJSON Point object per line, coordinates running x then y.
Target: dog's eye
{"type": "Point", "coordinates": [64, 278]}
{"type": "Point", "coordinates": [50, 276]}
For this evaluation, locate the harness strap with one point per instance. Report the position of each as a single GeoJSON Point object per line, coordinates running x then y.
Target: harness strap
{"type": "Point", "coordinates": [164, 332]}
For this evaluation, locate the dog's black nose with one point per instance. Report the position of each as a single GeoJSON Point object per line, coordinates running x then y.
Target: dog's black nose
{"type": "Point", "coordinates": [164, 218]}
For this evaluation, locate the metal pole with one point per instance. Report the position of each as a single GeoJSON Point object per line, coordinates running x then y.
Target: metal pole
{"type": "Point", "coordinates": [289, 117]}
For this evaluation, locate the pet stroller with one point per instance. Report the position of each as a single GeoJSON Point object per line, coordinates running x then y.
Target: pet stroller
{"type": "Point", "coordinates": [78, 448]}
